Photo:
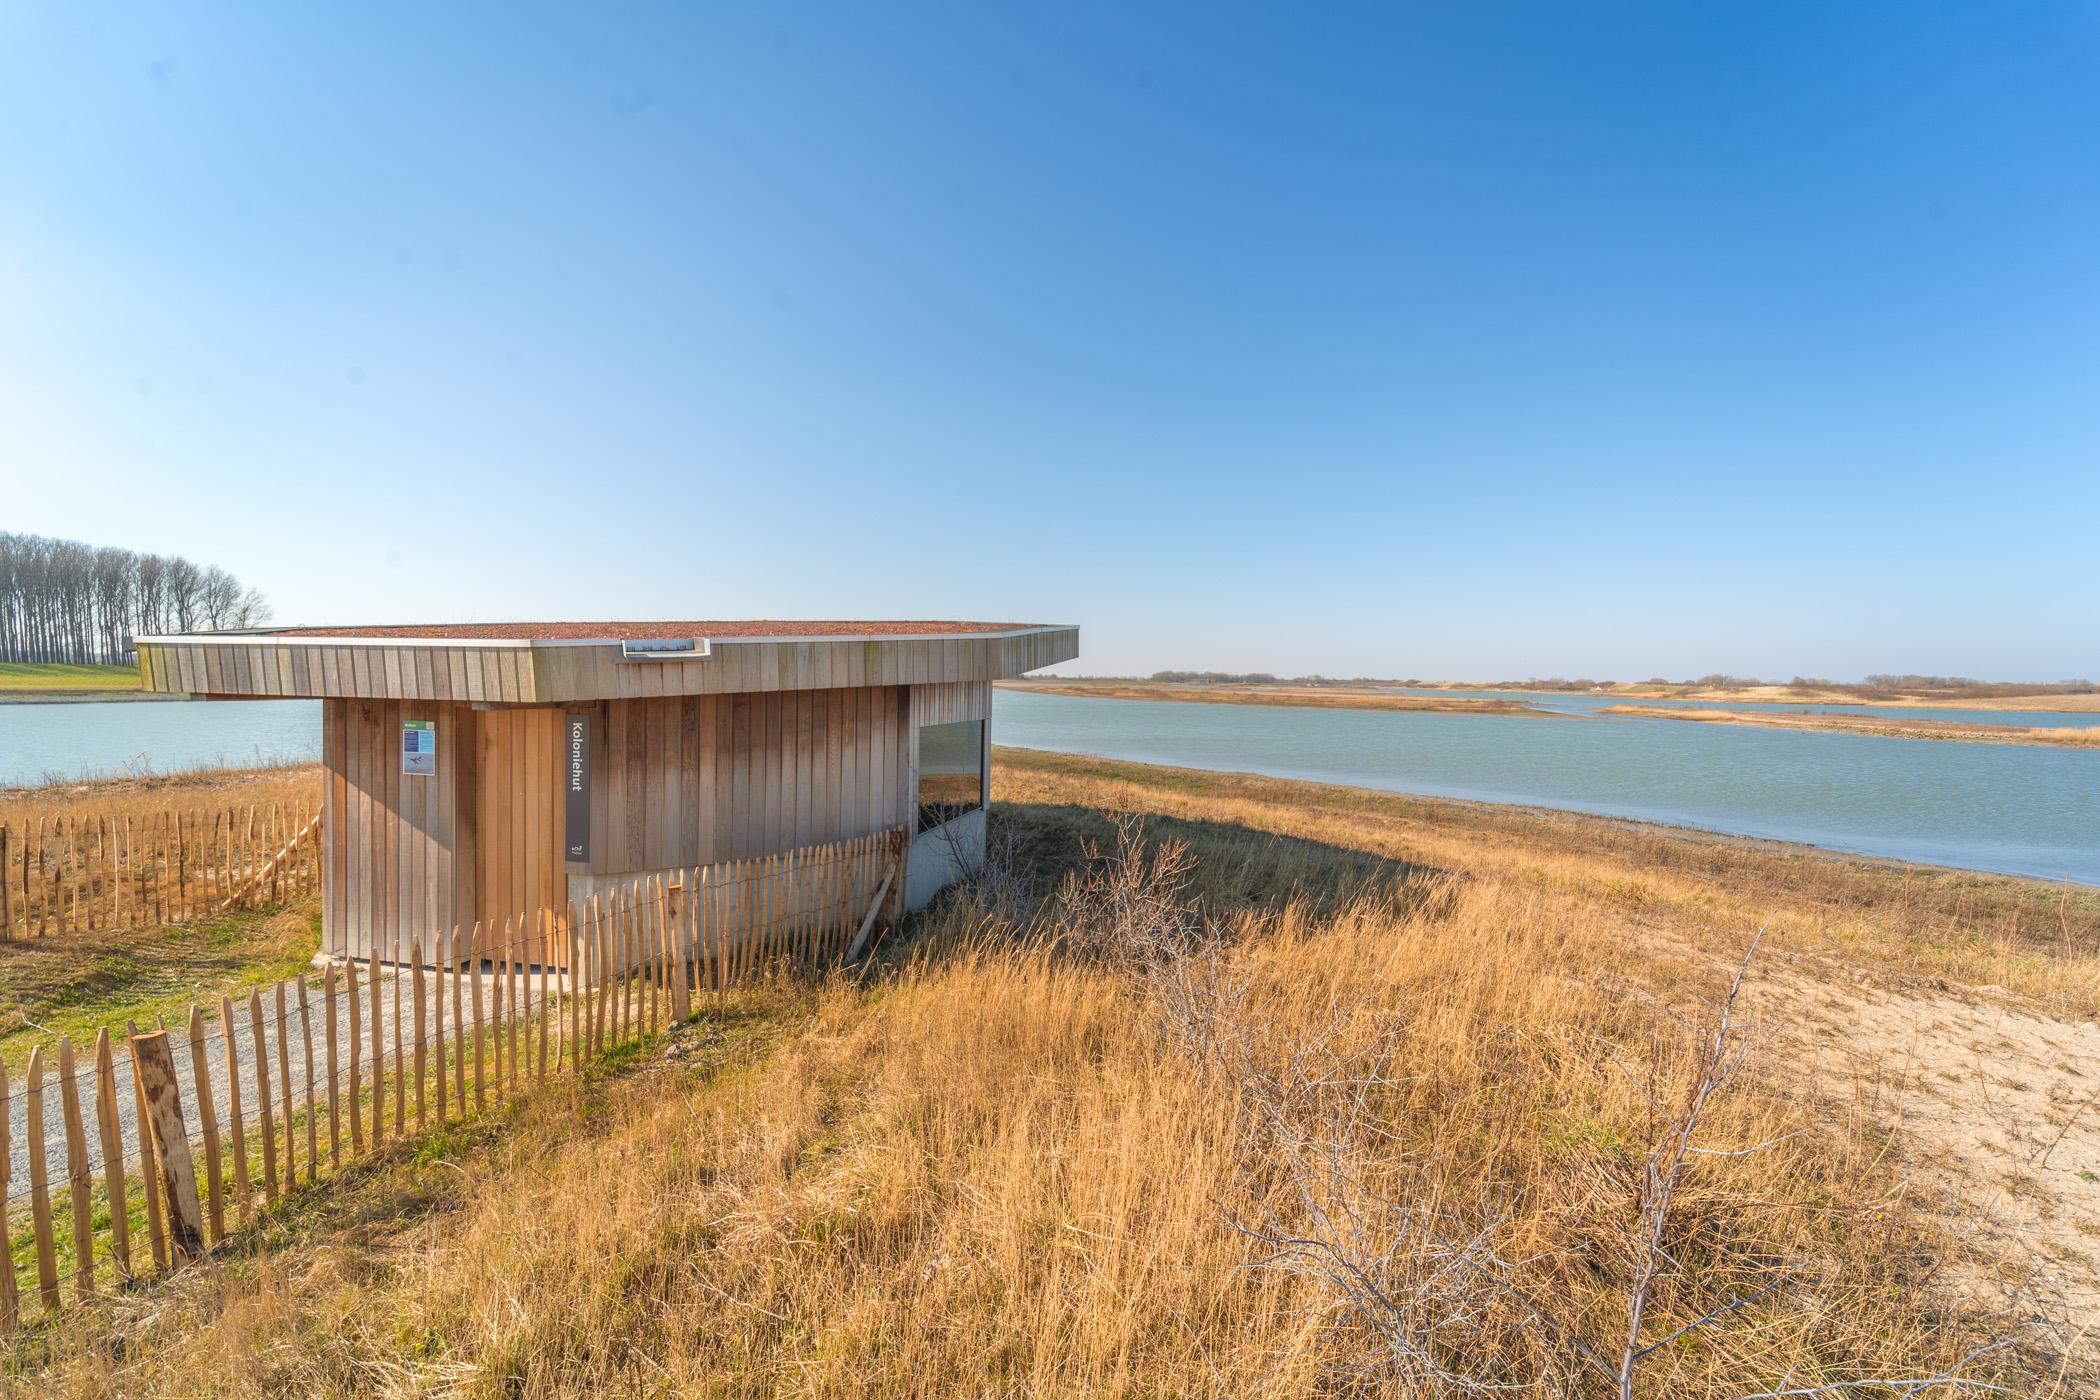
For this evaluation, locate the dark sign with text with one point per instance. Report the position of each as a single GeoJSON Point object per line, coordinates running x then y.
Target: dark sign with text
{"type": "Point", "coordinates": [576, 736]}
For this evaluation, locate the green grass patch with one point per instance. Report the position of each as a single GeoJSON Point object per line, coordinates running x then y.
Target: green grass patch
{"type": "Point", "coordinates": [74, 985]}
{"type": "Point", "coordinates": [54, 678]}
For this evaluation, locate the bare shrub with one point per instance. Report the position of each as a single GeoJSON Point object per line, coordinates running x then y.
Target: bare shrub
{"type": "Point", "coordinates": [1419, 1295]}
{"type": "Point", "coordinates": [1129, 904]}
{"type": "Point", "coordinates": [1000, 882]}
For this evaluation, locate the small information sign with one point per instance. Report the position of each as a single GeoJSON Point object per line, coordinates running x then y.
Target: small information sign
{"type": "Point", "coordinates": [419, 747]}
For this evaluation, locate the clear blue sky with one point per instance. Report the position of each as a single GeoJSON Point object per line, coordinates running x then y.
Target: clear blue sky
{"type": "Point", "coordinates": [1463, 340]}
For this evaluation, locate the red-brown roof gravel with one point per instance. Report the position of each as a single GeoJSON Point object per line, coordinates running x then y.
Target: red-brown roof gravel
{"type": "Point", "coordinates": [637, 631]}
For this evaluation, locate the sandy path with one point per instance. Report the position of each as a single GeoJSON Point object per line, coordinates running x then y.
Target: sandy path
{"type": "Point", "coordinates": [1997, 1103]}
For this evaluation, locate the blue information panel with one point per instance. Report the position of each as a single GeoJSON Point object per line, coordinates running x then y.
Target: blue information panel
{"type": "Point", "coordinates": [419, 747]}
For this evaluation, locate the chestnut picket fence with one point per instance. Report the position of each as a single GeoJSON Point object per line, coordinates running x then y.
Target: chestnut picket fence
{"type": "Point", "coordinates": [270, 1093]}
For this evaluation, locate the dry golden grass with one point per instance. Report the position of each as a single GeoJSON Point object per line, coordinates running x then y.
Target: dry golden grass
{"type": "Point", "coordinates": [1962, 730]}
{"type": "Point", "coordinates": [153, 794]}
{"type": "Point", "coordinates": [1872, 918]}
{"type": "Point", "coordinates": [1007, 1167]}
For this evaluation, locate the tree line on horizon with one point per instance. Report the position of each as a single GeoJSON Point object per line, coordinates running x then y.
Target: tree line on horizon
{"type": "Point", "coordinates": [1874, 687]}
{"type": "Point", "coordinates": [66, 601]}
{"type": "Point", "coordinates": [1266, 678]}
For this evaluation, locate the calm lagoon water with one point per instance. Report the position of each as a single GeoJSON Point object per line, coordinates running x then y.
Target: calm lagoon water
{"type": "Point", "coordinates": [2003, 807]}
{"type": "Point", "coordinates": [2027, 811]}
{"type": "Point", "coordinates": [95, 738]}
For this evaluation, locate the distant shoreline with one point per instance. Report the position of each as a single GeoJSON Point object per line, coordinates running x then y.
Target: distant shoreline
{"type": "Point", "coordinates": [82, 697]}
{"type": "Point", "coordinates": [2057, 702]}
{"type": "Point", "coordinates": [1959, 731]}
{"type": "Point", "coordinates": [1305, 697]}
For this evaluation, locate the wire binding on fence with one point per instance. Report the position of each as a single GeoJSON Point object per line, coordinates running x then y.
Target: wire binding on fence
{"type": "Point", "coordinates": [491, 1009]}
{"type": "Point", "coordinates": [68, 875]}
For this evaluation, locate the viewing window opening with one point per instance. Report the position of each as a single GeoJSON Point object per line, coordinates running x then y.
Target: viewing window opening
{"type": "Point", "coordinates": [951, 771]}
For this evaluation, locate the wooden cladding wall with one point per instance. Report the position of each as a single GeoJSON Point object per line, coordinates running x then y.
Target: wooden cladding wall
{"type": "Point", "coordinates": [676, 781]}
{"type": "Point", "coordinates": [486, 673]}
{"type": "Point", "coordinates": [517, 673]}
{"type": "Point", "coordinates": [689, 780]}
{"type": "Point", "coordinates": [391, 840]}
{"type": "Point", "coordinates": [949, 704]}
{"type": "Point", "coordinates": [518, 851]}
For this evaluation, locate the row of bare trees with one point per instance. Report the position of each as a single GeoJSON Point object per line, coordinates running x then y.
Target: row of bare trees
{"type": "Point", "coordinates": [62, 600]}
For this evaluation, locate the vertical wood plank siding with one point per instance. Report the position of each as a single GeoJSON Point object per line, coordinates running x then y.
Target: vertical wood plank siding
{"type": "Point", "coordinates": [517, 851]}
{"type": "Point", "coordinates": [391, 846]}
{"type": "Point", "coordinates": [690, 780]}
{"type": "Point", "coordinates": [677, 780]}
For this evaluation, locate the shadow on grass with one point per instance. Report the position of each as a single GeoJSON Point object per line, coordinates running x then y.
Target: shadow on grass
{"type": "Point", "coordinates": [1237, 868]}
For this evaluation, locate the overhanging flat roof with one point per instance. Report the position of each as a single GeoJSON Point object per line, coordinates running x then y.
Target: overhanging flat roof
{"type": "Point", "coordinates": [641, 631]}
{"type": "Point", "coordinates": [544, 663]}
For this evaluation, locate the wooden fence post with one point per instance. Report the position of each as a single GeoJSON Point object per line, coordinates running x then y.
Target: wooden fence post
{"type": "Point", "coordinates": [171, 1141]}
{"type": "Point", "coordinates": [572, 1027]}
{"type": "Point", "coordinates": [80, 1175]}
{"type": "Point", "coordinates": [421, 1051]}
{"type": "Point", "coordinates": [350, 1007]}
{"type": "Point", "coordinates": [378, 1050]}
{"type": "Point", "coordinates": [475, 955]}
{"type": "Point", "coordinates": [10, 1303]}
{"type": "Point", "coordinates": [546, 1006]}
{"type": "Point", "coordinates": [650, 929]}
{"type": "Point", "coordinates": [442, 941]}
{"type": "Point", "coordinates": [400, 1059]}
{"type": "Point", "coordinates": [867, 925]}
{"type": "Point", "coordinates": [208, 1123]}
{"type": "Point", "coordinates": [587, 999]}
{"type": "Point", "coordinates": [284, 1088]}
{"type": "Point", "coordinates": [335, 1120]}
{"type": "Point", "coordinates": [499, 987]}
{"type": "Point", "coordinates": [459, 1022]}
{"type": "Point", "coordinates": [565, 987]}
{"type": "Point", "coordinates": [229, 1039]}
{"type": "Point", "coordinates": [263, 1108]}
{"type": "Point", "coordinates": [313, 1117]}
{"type": "Point", "coordinates": [617, 964]}
{"type": "Point", "coordinates": [512, 973]}
{"type": "Point", "coordinates": [111, 1129]}
{"type": "Point", "coordinates": [39, 1183]}
{"type": "Point", "coordinates": [675, 907]}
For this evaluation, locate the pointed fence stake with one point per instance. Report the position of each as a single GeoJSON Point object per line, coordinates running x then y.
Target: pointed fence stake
{"type": "Point", "coordinates": [80, 1172]}
{"type": "Point", "coordinates": [111, 1128]}
{"type": "Point", "coordinates": [208, 1122]}
{"type": "Point", "coordinates": [171, 1142]}
{"type": "Point", "coordinates": [229, 1039]}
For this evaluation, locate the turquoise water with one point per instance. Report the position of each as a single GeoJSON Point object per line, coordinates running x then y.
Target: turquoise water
{"type": "Point", "coordinates": [2004, 807]}
{"type": "Point", "coordinates": [97, 738]}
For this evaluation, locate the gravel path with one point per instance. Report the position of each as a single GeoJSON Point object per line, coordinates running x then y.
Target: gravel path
{"type": "Point", "coordinates": [18, 1185]}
